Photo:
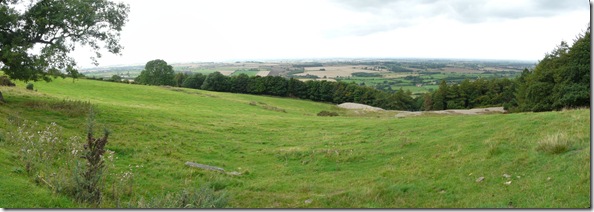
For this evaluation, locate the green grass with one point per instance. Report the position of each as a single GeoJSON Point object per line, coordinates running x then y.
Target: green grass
{"type": "Point", "coordinates": [292, 158]}
{"type": "Point", "coordinates": [401, 82]}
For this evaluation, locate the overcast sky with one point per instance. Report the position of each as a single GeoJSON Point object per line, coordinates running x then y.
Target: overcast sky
{"type": "Point", "coordinates": [229, 30]}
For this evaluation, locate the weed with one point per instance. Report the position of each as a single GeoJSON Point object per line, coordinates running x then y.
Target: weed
{"type": "Point", "coordinates": [71, 108]}
{"type": "Point", "coordinates": [327, 113]}
{"type": "Point", "coordinates": [554, 144]}
{"type": "Point", "coordinates": [45, 155]}
{"type": "Point", "coordinates": [89, 182]}
{"type": "Point", "coordinates": [203, 197]}
{"type": "Point", "coordinates": [267, 107]}
{"type": "Point", "coordinates": [29, 86]}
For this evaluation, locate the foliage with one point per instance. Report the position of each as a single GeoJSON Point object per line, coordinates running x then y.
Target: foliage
{"type": "Point", "coordinates": [179, 78]}
{"type": "Point", "coordinates": [471, 94]}
{"type": "Point", "coordinates": [324, 91]}
{"type": "Point", "coordinates": [55, 28]}
{"type": "Point", "coordinates": [216, 82]}
{"type": "Point", "coordinates": [560, 80]}
{"type": "Point", "coordinates": [29, 86]}
{"type": "Point", "coordinates": [116, 78]}
{"type": "Point", "coordinates": [365, 74]}
{"type": "Point", "coordinates": [194, 81]}
{"type": "Point", "coordinates": [156, 72]}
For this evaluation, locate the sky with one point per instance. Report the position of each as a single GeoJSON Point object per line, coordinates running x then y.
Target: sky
{"type": "Point", "coordinates": [239, 30]}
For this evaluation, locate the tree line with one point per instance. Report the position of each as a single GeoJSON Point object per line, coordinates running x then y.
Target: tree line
{"type": "Point", "coordinates": [560, 80]}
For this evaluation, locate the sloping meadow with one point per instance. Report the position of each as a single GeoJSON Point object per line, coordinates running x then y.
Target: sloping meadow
{"type": "Point", "coordinates": [284, 156]}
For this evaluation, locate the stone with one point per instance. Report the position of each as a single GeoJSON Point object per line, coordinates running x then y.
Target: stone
{"type": "Point", "coordinates": [206, 167]}
{"type": "Point", "coordinates": [506, 175]}
{"type": "Point", "coordinates": [234, 173]}
{"type": "Point", "coordinates": [308, 201]}
{"type": "Point", "coordinates": [480, 179]}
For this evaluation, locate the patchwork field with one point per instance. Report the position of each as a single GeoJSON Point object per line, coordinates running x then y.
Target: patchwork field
{"type": "Point", "coordinates": [288, 157]}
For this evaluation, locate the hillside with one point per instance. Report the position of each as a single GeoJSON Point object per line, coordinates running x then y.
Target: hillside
{"type": "Point", "coordinates": [289, 157]}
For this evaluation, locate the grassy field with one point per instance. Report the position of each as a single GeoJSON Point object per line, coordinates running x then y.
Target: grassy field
{"type": "Point", "coordinates": [429, 82]}
{"type": "Point", "coordinates": [291, 158]}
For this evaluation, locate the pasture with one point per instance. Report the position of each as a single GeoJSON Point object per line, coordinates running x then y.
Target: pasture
{"type": "Point", "coordinates": [290, 158]}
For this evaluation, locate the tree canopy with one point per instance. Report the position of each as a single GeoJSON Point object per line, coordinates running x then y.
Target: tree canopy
{"type": "Point", "coordinates": [560, 80]}
{"type": "Point", "coordinates": [36, 36]}
{"type": "Point", "coordinates": [157, 72]}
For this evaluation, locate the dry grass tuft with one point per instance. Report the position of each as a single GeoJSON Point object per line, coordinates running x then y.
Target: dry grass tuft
{"type": "Point", "coordinates": [554, 144]}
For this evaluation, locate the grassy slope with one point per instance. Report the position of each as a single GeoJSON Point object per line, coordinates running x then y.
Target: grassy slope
{"type": "Point", "coordinates": [288, 158]}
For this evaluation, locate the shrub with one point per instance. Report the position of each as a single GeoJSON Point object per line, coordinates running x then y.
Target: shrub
{"type": "Point", "coordinates": [327, 113]}
{"type": "Point", "coordinates": [554, 144]}
{"type": "Point", "coordinates": [29, 86]}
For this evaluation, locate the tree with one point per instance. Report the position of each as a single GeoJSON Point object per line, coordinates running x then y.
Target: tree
{"type": "Point", "coordinates": [116, 78]}
{"type": "Point", "coordinates": [36, 36]}
{"type": "Point", "coordinates": [194, 81]}
{"type": "Point", "coordinates": [156, 72]}
{"type": "Point", "coordinates": [240, 84]}
{"type": "Point", "coordinates": [216, 82]}
{"type": "Point", "coordinates": [179, 78]}
{"type": "Point", "coordinates": [561, 79]}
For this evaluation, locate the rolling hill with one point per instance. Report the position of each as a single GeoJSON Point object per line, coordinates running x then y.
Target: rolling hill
{"type": "Point", "coordinates": [288, 157]}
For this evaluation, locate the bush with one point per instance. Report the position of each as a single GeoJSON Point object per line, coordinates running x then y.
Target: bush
{"type": "Point", "coordinates": [554, 144]}
{"type": "Point", "coordinates": [327, 113]}
{"type": "Point", "coordinates": [29, 86]}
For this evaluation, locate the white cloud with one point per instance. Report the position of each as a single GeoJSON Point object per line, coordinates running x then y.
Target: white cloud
{"type": "Point", "coordinates": [185, 30]}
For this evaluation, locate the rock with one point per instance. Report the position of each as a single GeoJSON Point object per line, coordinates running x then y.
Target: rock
{"type": "Point", "coordinates": [207, 167]}
{"type": "Point", "coordinates": [308, 201]}
{"type": "Point", "coordinates": [506, 175]}
{"type": "Point", "coordinates": [480, 179]}
{"type": "Point", "coordinates": [507, 183]}
{"type": "Point", "coordinates": [548, 178]}
{"type": "Point", "coordinates": [234, 173]}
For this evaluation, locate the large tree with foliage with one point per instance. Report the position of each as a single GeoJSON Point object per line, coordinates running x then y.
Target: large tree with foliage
{"type": "Point", "coordinates": [36, 36]}
{"type": "Point", "coordinates": [561, 79]}
{"type": "Point", "coordinates": [156, 72]}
